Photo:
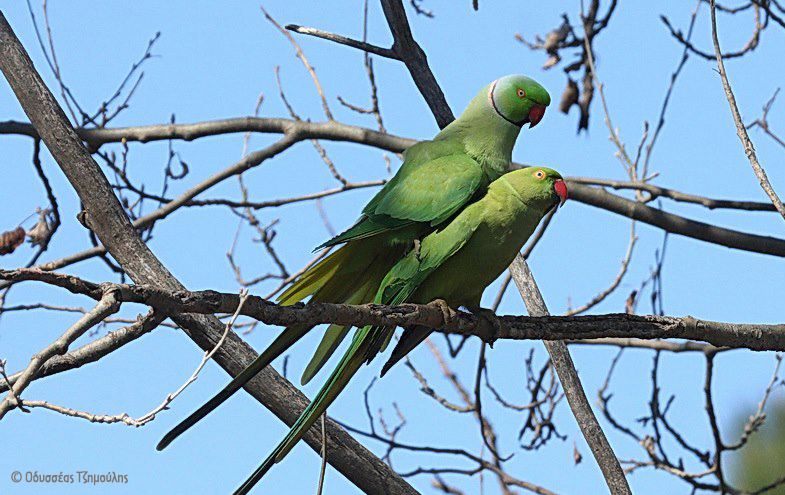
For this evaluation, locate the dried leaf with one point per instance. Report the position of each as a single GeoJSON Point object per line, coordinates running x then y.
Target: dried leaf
{"type": "Point", "coordinates": [576, 455]}
{"type": "Point", "coordinates": [11, 240]}
{"type": "Point", "coordinates": [569, 97]}
{"type": "Point", "coordinates": [552, 60]}
{"type": "Point", "coordinates": [556, 38]}
{"type": "Point", "coordinates": [40, 234]}
{"type": "Point", "coordinates": [629, 306]}
{"type": "Point", "coordinates": [574, 66]}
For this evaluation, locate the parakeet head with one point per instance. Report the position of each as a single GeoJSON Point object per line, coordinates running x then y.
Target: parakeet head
{"type": "Point", "coordinates": [519, 99]}
{"type": "Point", "coordinates": [540, 185]}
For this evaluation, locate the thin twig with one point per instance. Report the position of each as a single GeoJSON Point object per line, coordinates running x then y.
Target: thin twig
{"type": "Point", "coordinates": [109, 303]}
{"type": "Point", "coordinates": [625, 262]}
{"type": "Point", "coordinates": [741, 131]}
{"type": "Point", "coordinates": [343, 40]}
{"type": "Point", "coordinates": [305, 62]}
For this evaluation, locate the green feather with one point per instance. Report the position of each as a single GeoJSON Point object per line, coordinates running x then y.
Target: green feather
{"type": "Point", "coordinates": [455, 263]}
{"type": "Point", "coordinates": [432, 197]}
{"type": "Point", "coordinates": [347, 367]}
{"type": "Point", "coordinates": [285, 340]}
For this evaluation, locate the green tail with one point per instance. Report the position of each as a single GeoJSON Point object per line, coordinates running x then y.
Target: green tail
{"type": "Point", "coordinates": [355, 356]}
{"type": "Point", "coordinates": [279, 345]}
{"type": "Point", "coordinates": [375, 269]}
{"type": "Point", "coordinates": [334, 279]}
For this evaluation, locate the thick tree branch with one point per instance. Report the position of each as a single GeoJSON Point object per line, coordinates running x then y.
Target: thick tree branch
{"type": "Point", "coordinates": [330, 131]}
{"type": "Point", "coordinates": [676, 224]}
{"type": "Point", "coordinates": [105, 216]}
{"type": "Point", "coordinates": [409, 51]}
{"type": "Point", "coordinates": [571, 384]}
{"type": "Point", "coordinates": [622, 328]}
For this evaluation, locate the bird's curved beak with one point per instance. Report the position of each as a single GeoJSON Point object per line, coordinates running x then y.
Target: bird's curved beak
{"type": "Point", "coordinates": [560, 188]}
{"type": "Point", "coordinates": [535, 115]}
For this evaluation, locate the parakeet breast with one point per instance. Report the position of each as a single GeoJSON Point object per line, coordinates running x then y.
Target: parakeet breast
{"type": "Point", "coordinates": [505, 226]}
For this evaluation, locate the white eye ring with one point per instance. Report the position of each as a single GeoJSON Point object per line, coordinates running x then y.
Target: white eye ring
{"type": "Point", "coordinates": [521, 93]}
{"type": "Point", "coordinates": [539, 174]}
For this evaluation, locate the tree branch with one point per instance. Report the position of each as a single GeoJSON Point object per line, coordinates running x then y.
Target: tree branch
{"type": "Point", "coordinates": [657, 191]}
{"type": "Point", "coordinates": [105, 216]}
{"type": "Point", "coordinates": [741, 131]}
{"type": "Point", "coordinates": [416, 61]}
{"type": "Point", "coordinates": [96, 349]}
{"type": "Point", "coordinates": [622, 328]}
{"type": "Point", "coordinates": [676, 224]}
{"type": "Point", "coordinates": [109, 303]}
{"type": "Point", "coordinates": [571, 384]}
{"type": "Point", "coordinates": [301, 130]}
{"type": "Point", "coordinates": [343, 40]}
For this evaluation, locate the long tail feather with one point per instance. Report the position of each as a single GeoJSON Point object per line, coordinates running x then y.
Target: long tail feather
{"type": "Point", "coordinates": [350, 363]}
{"type": "Point", "coordinates": [333, 337]}
{"type": "Point", "coordinates": [410, 339]}
{"type": "Point", "coordinates": [316, 276]}
{"type": "Point", "coordinates": [360, 293]}
{"type": "Point", "coordinates": [287, 338]}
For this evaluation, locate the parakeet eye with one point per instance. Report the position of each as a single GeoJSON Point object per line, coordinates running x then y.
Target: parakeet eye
{"type": "Point", "coordinates": [521, 93]}
{"type": "Point", "coordinates": [539, 174]}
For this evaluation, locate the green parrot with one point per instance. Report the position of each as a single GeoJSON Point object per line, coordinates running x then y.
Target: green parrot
{"type": "Point", "coordinates": [436, 180]}
{"type": "Point", "coordinates": [454, 264]}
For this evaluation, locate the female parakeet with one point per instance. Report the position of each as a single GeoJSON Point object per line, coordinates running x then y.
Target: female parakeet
{"type": "Point", "coordinates": [436, 180]}
{"type": "Point", "coordinates": [455, 263]}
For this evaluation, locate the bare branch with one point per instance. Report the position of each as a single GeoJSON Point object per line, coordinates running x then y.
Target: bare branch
{"type": "Point", "coordinates": [616, 281]}
{"type": "Point", "coordinates": [676, 224]}
{"type": "Point", "coordinates": [756, 420]}
{"type": "Point", "coordinates": [657, 191]}
{"type": "Point", "coordinates": [763, 122]}
{"type": "Point", "coordinates": [741, 131]}
{"type": "Point", "coordinates": [343, 40]}
{"type": "Point", "coordinates": [342, 132]}
{"type": "Point", "coordinates": [414, 57]}
{"type": "Point", "coordinates": [305, 62]}
{"type": "Point", "coordinates": [109, 303]}
{"type": "Point", "coordinates": [661, 345]}
{"type": "Point", "coordinates": [94, 350]}
{"type": "Point", "coordinates": [560, 356]}
{"type": "Point", "coordinates": [661, 121]}
{"type": "Point", "coordinates": [742, 335]}
{"type": "Point", "coordinates": [751, 44]}
{"type": "Point", "coordinates": [105, 216]}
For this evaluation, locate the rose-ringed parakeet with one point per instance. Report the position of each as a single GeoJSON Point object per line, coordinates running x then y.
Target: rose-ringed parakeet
{"type": "Point", "coordinates": [455, 263]}
{"type": "Point", "coordinates": [436, 180]}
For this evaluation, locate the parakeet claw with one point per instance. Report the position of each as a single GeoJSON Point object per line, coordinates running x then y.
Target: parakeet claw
{"type": "Point", "coordinates": [416, 249]}
{"type": "Point", "coordinates": [489, 323]}
{"type": "Point", "coordinates": [447, 312]}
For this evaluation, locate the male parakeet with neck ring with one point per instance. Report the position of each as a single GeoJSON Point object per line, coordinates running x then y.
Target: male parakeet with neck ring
{"type": "Point", "coordinates": [438, 178]}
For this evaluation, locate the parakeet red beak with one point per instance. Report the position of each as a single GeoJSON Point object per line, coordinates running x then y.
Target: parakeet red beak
{"type": "Point", "coordinates": [535, 115]}
{"type": "Point", "coordinates": [561, 190]}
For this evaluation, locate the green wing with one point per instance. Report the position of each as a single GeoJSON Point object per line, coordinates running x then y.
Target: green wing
{"type": "Point", "coordinates": [434, 182]}
{"type": "Point", "coordinates": [412, 272]}
{"type": "Point", "coordinates": [433, 191]}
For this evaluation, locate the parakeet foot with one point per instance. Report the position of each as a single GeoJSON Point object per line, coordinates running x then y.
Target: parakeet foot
{"type": "Point", "coordinates": [447, 312]}
{"type": "Point", "coordinates": [416, 249]}
{"type": "Point", "coordinates": [488, 324]}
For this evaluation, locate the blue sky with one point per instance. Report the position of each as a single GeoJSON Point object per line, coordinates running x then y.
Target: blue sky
{"type": "Point", "coordinates": [214, 62]}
